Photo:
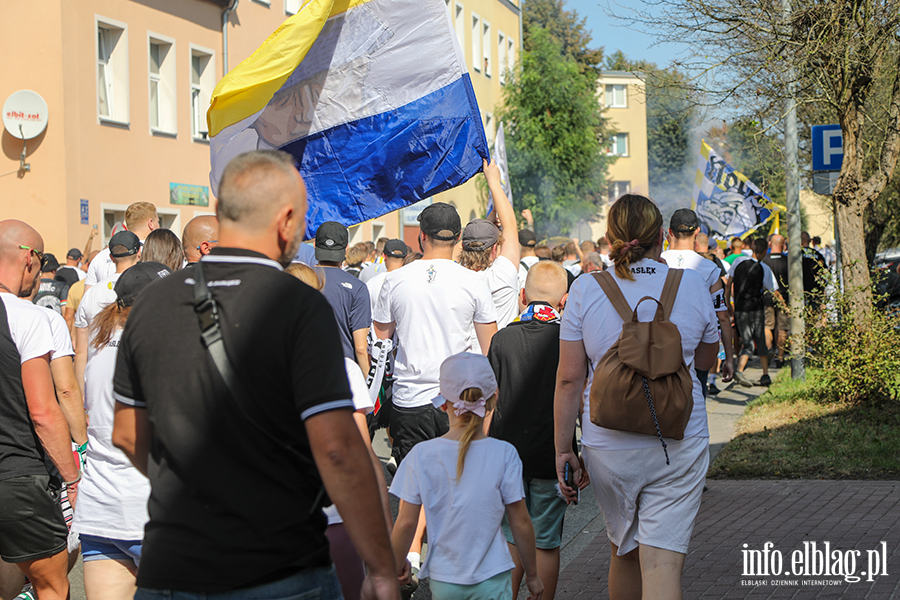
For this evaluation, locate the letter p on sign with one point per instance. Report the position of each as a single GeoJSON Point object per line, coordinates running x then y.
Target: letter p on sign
{"type": "Point", "coordinates": [827, 148]}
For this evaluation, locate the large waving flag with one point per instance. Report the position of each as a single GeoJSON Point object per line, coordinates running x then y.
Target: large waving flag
{"type": "Point", "coordinates": [499, 156]}
{"type": "Point", "coordinates": [726, 202]}
{"type": "Point", "coordinates": [371, 96]}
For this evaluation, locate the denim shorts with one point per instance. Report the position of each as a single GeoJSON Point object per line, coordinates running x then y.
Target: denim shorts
{"type": "Point", "coordinates": [309, 584]}
{"type": "Point", "coordinates": [546, 509]}
{"type": "Point", "coordinates": [94, 547]}
{"type": "Point", "coordinates": [498, 587]}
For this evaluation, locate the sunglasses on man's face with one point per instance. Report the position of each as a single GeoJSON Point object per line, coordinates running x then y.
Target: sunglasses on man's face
{"type": "Point", "coordinates": [41, 256]}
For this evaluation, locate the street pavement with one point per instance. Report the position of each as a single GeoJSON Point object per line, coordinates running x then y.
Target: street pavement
{"type": "Point", "coordinates": [848, 515]}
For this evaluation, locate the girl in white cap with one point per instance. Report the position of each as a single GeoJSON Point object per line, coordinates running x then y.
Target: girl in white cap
{"type": "Point", "coordinates": [465, 480]}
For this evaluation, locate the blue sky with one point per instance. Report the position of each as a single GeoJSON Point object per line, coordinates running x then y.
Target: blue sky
{"type": "Point", "coordinates": [613, 35]}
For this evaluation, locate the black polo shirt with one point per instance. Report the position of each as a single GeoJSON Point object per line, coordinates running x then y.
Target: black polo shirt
{"type": "Point", "coordinates": [230, 507]}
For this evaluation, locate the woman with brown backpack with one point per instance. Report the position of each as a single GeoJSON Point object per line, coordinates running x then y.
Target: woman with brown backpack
{"type": "Point", "coordinates": [637, 335]}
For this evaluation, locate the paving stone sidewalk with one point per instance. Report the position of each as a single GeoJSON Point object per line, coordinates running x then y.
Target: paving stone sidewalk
{"type": "Point", "coordinates": [859, 516]}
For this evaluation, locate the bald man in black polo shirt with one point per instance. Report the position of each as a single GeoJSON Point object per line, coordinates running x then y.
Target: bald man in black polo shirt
{"type": "Point", "coordinates": [237, 478]}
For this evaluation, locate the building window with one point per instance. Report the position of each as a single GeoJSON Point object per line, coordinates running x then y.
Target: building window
{"type": "Point", "coordinates": [501, 56]}
{"type": "Point", "coordinates": [510, 54]}
{"type": "Point", "coordinates": [162, 84]}
{"type": "Point", "coordinates": [460, 23]}
{"type": "Point", "coordinates": [617, 189]}
{"type": "Point", "coordinates": [476, 43]}
{"type": "Point", "coordinates": [203, 72]}
{"type": "Point", "coordinates": [618, 145]}
{"type": "Point", "coordinates": [486, 45]}
{"type": "Point", "coordinates": [112, 71]}
{"type": "Point", "coordinates": [291, 7]}
{"type": "Point", "coordinates": [616, 96]}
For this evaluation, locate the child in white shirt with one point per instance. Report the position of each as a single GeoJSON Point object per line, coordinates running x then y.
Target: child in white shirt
{"type": "Point", "coordinates": [465, 481]}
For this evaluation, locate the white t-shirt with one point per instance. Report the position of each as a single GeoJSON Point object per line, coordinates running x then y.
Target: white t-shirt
{"type": "Point", "coordinates": [374, 285]}
{"type": "Point", "coordinates": [94, 301]}
{"type": "Point", "coordinates": [28, 326]}
{"type": "Point", "coordinates": [62, 339]}
{"type": "Point", "coordinates": [361, 401]}
{"type": "Point", "coordinates": [100, 268]}
{"type": "Point", "coordinates": [523, 272]}
{"type": "Point", "coordinates": [112, 497]}
{"type": "Point", "coordinates": [465, 544]}
{"type": "Point", "coordinates": [502, 279]}
{"type": "Point", "coordinates": [433, 304]}
{"type": "Point", "coordinates": [688, 259]}
{"type": "Point", "coordinates": [768, 276]}
{"type": "Point", "coordinates": [591, 318]}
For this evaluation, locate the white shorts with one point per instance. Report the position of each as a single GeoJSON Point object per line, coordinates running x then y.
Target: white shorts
{"type": "Point", "coordinates": [644, 500]}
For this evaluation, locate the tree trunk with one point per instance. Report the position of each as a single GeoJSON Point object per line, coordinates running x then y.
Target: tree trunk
{"type": "Point", "coordinates": [857, 283]}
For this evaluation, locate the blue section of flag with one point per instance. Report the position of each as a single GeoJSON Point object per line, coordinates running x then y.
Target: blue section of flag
{"type": "Point", "coordinates": [369, 167]}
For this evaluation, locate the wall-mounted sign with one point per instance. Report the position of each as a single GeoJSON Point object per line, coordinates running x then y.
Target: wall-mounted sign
{"type": "Point", "coordinates": [85, 214]}
{"type": "Point", "coordinates": [189, 195]}
{"type": "Point", "coordinates": [25, 114]}
{"type": "Point", "coordinates": [411, 213]}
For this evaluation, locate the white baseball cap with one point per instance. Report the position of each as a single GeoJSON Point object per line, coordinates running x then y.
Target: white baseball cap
{"type": "Point", "coordinates": [461, 372]}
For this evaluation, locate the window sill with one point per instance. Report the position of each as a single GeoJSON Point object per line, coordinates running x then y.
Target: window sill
{"type": "Point", "coordinates": [114, 122]}
{"type": "Point", "coordinates": [163, 133]}
{"type": "Point", "coordinates": [200, 140]}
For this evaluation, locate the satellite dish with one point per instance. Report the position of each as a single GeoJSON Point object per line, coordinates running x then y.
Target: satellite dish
{"type": "Point", "coordinates": [25, 114]}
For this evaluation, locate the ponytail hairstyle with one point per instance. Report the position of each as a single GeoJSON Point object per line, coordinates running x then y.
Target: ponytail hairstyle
{"type": "Point", "coordinates": [634, 224]}
{"type": "Point", "coordinates": [110, 319]}
{"type": "Point", "coordinates": [473, 423]}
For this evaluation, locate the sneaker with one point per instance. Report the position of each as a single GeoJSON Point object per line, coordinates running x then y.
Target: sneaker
{"type": "Point", "coordinates": [27, 593]}
{"type": "Point", "coordinates": [765, 380]}
{"type": "Point", "coordinates": [742, 379]}
{"type": "Point", "coordinates": [408, 589]}
{"type": "Point", "coordinates": [391, 466]}
{"type": "Point", "coordinates": [779, 363]}
{"type": "Point", "coordinates": [712, 390]}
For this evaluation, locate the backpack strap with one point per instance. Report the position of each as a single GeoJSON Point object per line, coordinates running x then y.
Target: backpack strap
{"type": "Point", "coordinates": [609, 285]}
{"type": "Point", "coordinates": [669, 291]}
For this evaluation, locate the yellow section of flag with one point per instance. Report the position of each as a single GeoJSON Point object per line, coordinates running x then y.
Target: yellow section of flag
{"type": "Point", "coordinates": [247, 88]}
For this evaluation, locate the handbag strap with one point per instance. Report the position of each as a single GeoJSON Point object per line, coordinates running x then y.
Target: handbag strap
{"type": "Point", "coordinates": [614, 293]}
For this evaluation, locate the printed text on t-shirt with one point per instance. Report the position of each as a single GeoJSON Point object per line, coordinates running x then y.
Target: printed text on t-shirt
{"type": "Point", "coordinates": [643, 270]}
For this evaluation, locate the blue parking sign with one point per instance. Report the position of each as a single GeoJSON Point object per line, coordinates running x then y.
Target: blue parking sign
{"type": "Point", "coordinates": [827, 148]}
{"type": "Point", "coordinates": [85, 215]}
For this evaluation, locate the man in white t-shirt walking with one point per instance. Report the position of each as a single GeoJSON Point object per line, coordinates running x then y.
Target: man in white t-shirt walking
{"type": "Point", "coordinates": [35, 443]}
{"type": "Point", "coordinates": [684, 227]}
{"type": "Point", "coordinates": [494, 257]}
{"type": "Point", "coordinates": [432, 304]}
{"type": "Point", "coordinates": [140, 219]}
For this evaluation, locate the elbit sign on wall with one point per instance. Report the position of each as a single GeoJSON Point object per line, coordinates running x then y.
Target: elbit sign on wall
{"type": "Point", "coordinates": [25, 114]}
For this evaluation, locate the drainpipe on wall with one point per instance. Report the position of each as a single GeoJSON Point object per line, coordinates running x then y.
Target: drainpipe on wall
{"type": "Point", "coordinates": [225, 15]}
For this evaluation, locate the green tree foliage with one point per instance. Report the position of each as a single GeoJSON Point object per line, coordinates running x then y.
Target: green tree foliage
{"type": "Point", "coordinates": [553, 131]}
{"type": "Point", "coordinates": [671, 160]}
{"type": "Point", "coordinates": [566, 29]}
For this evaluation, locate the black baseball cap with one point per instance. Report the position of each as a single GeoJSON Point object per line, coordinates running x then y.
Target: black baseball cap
{"type": "Point", "coordinates": [396, 249]}
{"type": "Point", "coordinates": [74, 254]}
{"type": "Point", "coordinates": [440, 221]}
{"type": "Point", "coordinates": [136, 278]}
{"type": "Point", "coordinates": [684, 220]}
{"type": "Point", "coordinates": [527, 238]}
{"type": "Point", "coordinates": [479, 235]}
{"type": "Point", "coordinates": [124, 238]}
{"type": "Point", "coordinates": [50, 263]}
{"type": "Point", "coordinates": [331, 242]}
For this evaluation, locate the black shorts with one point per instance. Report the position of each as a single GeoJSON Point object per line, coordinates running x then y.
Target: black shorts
{"type": "Point", "coordinates": [751, 327]}
{"type": "Point", "coordinates": [31, 520]}
{"type": "Point", "coordinates": [409, 426]}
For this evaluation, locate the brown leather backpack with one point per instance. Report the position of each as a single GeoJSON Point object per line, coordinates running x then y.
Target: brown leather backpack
{"type": "Point", "coordinates": [642, 384]}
